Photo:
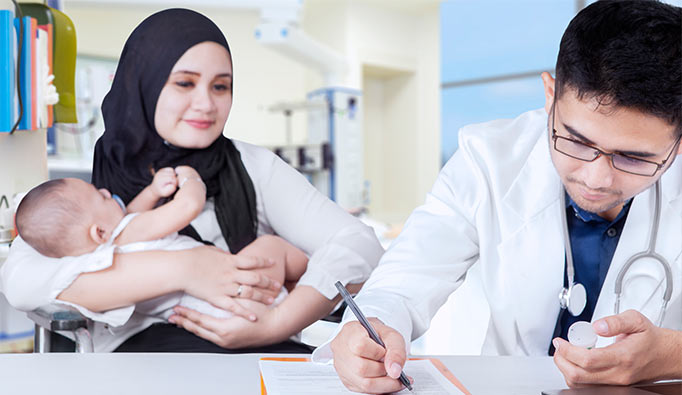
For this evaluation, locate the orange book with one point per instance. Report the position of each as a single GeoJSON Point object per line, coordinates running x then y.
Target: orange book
{"type": "Point", "coordinates": [435, 361]}
{"type": "Point", "coordinates": [48, 29]}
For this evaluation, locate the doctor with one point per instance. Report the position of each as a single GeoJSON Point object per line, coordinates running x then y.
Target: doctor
{"type": "Point", "coordinates": [610, 129]}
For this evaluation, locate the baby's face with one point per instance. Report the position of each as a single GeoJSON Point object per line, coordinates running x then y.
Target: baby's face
{"type": "Point", "coordinates": [96, 203]}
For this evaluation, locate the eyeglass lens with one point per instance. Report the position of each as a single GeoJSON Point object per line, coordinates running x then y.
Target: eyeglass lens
{"type": "Point", "coordinates": [587, 153]}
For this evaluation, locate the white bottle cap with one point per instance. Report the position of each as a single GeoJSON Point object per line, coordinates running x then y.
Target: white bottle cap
{"type": "Point", "coordinates": [582, 334]}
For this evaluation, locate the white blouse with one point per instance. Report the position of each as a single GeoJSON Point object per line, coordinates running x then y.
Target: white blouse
{"type": "Point", "coordinates": [340, 247]}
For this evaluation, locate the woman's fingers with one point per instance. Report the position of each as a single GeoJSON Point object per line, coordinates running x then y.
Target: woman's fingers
{"type": "Point", "coordinates": [249, 292]}
{"type": "Point", "coordinates": [233, 332]}
{"type": "Point", "coordinates": [220, 282]}
{"type": "Point", "coordinates": [255, 279]}
{"type": "Point", "coordinates": [230, 304]}
{"type": "Point", "coordinates": [252, 262]}
{"type": "Point", "coordinates": [235, 308]}
{"type": "Point", "coordinates": [183, 320]}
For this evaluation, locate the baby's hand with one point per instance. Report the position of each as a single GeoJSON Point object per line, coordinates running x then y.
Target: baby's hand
{"type": "Point", "coordinates": [186, 172]}
{"type": "Point", "coordinates": [165, 182]}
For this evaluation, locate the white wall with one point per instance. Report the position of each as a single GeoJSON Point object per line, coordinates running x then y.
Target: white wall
{"type": "Point", "coordinates": [395, 43]}
{"type": "Point", "coordinates": [23, 161]}
{"type": "Point", "coordinates": [403, 46]}
{"type": "Point", "coordinates": [393, 53]}
{"type": "Point", "coordinates": [262, 77]}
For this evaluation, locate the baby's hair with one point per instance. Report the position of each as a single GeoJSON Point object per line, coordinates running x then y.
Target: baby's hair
{"type": "Point", "coordinates": [46, 219]}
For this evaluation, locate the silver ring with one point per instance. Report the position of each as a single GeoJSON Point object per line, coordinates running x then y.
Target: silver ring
{"type": "Point", "coordinates": [239, 290]}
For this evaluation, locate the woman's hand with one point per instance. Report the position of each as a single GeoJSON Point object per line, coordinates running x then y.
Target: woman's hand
{"type": "Point", "coordinates": [233, 332]}
{"type": "Point", "coordinates": [218, 277]}
{"type": "Point", "coordinates": [303, 306]}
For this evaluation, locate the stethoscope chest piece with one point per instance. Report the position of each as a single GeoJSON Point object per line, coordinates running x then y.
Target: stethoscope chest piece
{"type": "Point", "coordinates": [574, 299]}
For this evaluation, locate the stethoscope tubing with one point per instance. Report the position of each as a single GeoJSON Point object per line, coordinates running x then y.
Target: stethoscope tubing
{"type": "Point", "coordinates": [649, 253]}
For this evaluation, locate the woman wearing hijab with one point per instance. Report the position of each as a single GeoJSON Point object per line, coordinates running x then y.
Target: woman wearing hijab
{"type": "Point", "coordinates": [167, 107]}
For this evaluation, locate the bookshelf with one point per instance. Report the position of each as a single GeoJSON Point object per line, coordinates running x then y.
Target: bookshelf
{"type": "Point", "coordinates": [23, 165]}
{"type": "Point", "coordinates": [48, 48]}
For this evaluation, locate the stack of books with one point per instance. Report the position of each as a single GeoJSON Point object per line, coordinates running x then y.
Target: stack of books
{"type": "Point", "coordinates": [30, 58]}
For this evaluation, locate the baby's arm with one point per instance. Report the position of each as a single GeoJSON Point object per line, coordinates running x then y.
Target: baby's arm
{"type": "Point", "coordinates": [290, 262]}
{"type": "Point", "coordinates": [172, 216]}
{"type": "Point", "coordinates": [165, 182]}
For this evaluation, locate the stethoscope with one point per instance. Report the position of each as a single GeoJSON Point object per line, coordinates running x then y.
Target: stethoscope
{"type": "Point", "coordinates": [574, 298]}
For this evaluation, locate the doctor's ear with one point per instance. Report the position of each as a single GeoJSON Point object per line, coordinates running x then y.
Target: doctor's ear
{"type": "Point", "coordinates": [548, 82]}
{"type": "Point", "coordinates": [97, 234]}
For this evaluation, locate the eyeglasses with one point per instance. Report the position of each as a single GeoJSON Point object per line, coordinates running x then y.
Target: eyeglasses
{"type": "Point", "coordinates": [588, 153]}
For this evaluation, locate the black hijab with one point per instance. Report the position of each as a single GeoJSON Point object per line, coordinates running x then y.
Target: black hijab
{"type": "Point", "coordinates": [130, 146]}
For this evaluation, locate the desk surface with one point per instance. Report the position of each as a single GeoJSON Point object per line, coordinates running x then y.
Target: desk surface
{"type": "Point", "coordinates": [230, 374]}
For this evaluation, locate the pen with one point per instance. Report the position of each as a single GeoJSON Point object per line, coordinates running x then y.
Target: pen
{"type": "Point", "coordinates": [372, 333]}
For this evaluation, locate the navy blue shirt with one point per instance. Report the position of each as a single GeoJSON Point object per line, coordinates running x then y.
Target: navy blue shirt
{"type": "Point", "coordinates": [593, 243]}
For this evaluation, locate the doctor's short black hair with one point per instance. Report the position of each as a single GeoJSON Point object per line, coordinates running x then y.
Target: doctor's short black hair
{"type": "Point", "coordinates": [625, 53]}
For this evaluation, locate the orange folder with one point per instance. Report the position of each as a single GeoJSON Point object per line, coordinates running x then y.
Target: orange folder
{"type": "Point", "coordinates": [435, 361]}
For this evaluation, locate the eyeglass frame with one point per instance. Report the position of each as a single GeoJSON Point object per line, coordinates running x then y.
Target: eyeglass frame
{"type": "Point", "coordinates": [659, 166]}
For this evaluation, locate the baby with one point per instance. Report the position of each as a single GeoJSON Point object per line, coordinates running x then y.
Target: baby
{"type": "Point", "coordinates": [69, 217]}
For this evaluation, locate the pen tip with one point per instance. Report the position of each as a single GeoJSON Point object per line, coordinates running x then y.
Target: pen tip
{"type": "Point", "coordinates": [408, 385]}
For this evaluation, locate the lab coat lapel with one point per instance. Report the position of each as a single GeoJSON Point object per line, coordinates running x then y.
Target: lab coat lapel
{"type": "Point", "coordinates": [644, 283]}
{"type": "Point", "coordinates": [531, 254]}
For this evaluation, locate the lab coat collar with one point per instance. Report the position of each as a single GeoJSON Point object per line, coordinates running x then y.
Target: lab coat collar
{"type": "Point", "coordinates": [537, 175]}
{"type": "Point", "coordinates": [671, 184]}
{"type": "Point", "coordinates": [533, 246]}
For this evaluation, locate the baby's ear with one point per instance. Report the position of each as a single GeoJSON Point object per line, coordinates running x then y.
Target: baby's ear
{"type": "Point", "coordinates": [98, 234]}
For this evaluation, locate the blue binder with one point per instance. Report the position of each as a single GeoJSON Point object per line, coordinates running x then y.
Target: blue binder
{"type": "Point", "coordinates": [25, 73]}
{"type": "Point", "coordinates": [7, 65]}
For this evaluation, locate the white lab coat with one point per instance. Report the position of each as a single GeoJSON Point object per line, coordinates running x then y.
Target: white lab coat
{"type": "Point", "coordinates": [496, 204]}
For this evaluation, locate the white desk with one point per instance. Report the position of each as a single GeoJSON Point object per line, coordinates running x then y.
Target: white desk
{"type": "Point", "coordinates": [229, 374]}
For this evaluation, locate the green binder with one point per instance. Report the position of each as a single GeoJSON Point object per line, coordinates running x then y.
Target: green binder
{"type": "Point", "coordinates": [63, 57]}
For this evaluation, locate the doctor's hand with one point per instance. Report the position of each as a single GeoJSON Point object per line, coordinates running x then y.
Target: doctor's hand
{"type": "Point", "coordinates": [642, 351]}
{"type": "Point", "coordinates": [365, 366]}
{"type": "Point", "coordinates": [219, 277]}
